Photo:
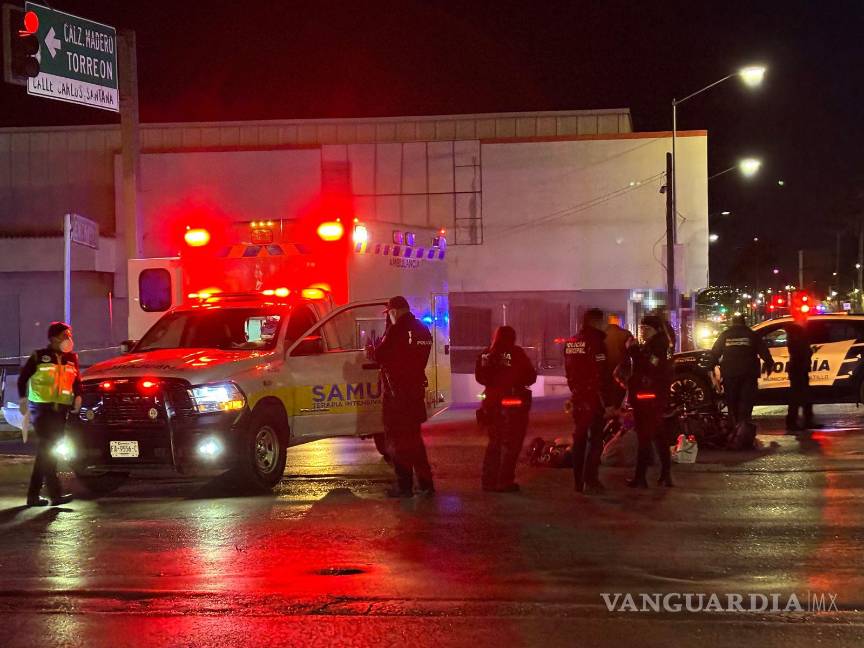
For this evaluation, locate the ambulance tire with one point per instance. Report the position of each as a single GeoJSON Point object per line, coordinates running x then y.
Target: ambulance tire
{"type": "Point", "coordinates": [264, 449]}
{"type": "Point", "coordinates": [98, 484]}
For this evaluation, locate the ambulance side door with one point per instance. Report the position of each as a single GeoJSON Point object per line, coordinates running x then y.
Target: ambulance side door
{"type": "Point", "coordinates": [336, 388]}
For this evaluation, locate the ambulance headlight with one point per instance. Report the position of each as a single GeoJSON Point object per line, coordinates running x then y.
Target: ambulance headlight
{"type": "Point", "coordinates": [209, 447]}
{"type": "Point", "coordinates": [64, 450]}
{"type": "Point", "coordinates": [219, 397]}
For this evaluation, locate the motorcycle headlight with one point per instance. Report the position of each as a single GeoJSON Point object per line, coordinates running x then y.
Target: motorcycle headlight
{"type": "Point", "coordinates": [221, 397]}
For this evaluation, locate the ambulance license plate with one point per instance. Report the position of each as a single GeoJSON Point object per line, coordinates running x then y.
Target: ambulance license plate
{"type": "Point", "coordinates": [123, 449]}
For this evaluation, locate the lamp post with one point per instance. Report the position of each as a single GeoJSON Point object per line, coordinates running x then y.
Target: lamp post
{"type": "Point", "coordinates": [748, 167]}
{"type": "Point", "coordinates": [751, 76]}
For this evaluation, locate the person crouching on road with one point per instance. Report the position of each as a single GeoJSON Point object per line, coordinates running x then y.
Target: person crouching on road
{"type": "Point", "coordinates": [403, 353]}
{"type": "Point", "coordinates": [506, 372]}
{"type": "Point", "coordinates": [589, 377]}
{"type": "Point", "coordinates": [49, 386]}
{"type": "Point", "coordinates": [648, 391]}
{"type": "Point", "coordinates": [738, 351]}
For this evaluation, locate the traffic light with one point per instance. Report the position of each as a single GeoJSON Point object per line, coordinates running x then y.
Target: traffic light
{"type": "Point", "coordinates": [20, 45]}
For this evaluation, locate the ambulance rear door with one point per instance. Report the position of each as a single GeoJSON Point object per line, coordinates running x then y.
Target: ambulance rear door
{"type": "Point", "coordinates": [155, 287]}
{"type": "Point", "coordinates": [336, 389]}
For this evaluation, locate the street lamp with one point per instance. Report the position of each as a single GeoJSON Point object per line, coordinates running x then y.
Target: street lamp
{"type": "Point", "coordinates": [748, 167]}
{"type": "Point", "coordinates": [713, 238]}
{"type": "Point", "coordinates": [751, 76]}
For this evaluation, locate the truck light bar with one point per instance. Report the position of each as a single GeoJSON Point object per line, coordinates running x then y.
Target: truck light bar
{"type": "Point", "coordinates": [331, 231]}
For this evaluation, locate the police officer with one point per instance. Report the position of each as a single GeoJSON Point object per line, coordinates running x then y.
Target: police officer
{"type": "Point", "coordinates": [648, 391]}
{"type": "Point", "coordinates": [50, 386]}
{"type": "Point", "coordinates": [800, 359]}
{"type": "Point", "coordinates": [738, 350]}
{"type": "Point", "coordinates": [403, 353]}
{"type": "Point", "coordinates": [505, 370]}
{"type": "Point", "coordinates": [590, 380]}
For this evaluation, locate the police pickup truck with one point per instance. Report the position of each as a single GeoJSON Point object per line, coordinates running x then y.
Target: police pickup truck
{"type": "Point", "coordinates": [835, 375]}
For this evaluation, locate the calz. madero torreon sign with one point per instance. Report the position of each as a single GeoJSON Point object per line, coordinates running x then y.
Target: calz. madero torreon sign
{"type": "Point", "coordinates": [77, 60]}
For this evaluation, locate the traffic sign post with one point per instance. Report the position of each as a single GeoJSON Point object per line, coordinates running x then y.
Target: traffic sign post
{"type": "Point", "coordinates": [76, 229]}
{"type": "Point", "coordinates": [77, 60]}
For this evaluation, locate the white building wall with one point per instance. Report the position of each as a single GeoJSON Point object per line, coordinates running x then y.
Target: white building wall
{"type": "Point", "coordinates": [585, 214]}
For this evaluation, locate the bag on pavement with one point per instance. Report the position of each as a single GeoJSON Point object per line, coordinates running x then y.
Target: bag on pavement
{"type": "Point", "coordinates": [686, 449]}
{"type": "Point", "coordinates": [622, 448]}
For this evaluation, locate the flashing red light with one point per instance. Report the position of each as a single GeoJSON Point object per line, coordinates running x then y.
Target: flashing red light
{"type": "Point", "coordinates": [772, 307]}
{"type": "Point", "coordinates": [147, 386]}
{"type": "Point", "coordinates": [313, 293]}
{"type": "Point", "coordinates": [31, 24]}
{"type": "Point", "coordinates": [197, 237]}
{"type": "Point", "coordinates": [108, 385]}
{"type": "Point", "coordinates": [780, 301]}
{"type": "Point", "coordinates": [331, 231]}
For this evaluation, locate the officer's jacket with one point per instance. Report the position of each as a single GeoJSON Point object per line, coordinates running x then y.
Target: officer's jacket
{"type": "Point", "coordinates": [403, 353]}
{"type": "Point", "coordinates": [505, 372]}
{"type": "Point", "coordinates": [800, 351]}
{"type": "Point", "coordinates": [652, 370]}
{"type": "Point", "coordinates": [589, 375]}
{"type": "Point", "coordinates": [50, 376]}
{"type": "Point", "coordinates": [738, 350]}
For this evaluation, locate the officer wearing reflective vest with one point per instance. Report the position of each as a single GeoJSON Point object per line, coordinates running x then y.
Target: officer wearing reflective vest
{"type": "Point", "coordinates": [589, 377]}
{"type": "Point", "coordinates": [49, 387]}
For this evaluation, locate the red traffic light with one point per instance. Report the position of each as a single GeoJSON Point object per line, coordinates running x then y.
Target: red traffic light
{"type": "Point", "coordinates": [31, 24]}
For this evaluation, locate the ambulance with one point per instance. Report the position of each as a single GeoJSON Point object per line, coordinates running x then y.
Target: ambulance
{"type": "Point", "coordinates": [836, 373]}
{"type": "Point", "coordinates": [251, 341]}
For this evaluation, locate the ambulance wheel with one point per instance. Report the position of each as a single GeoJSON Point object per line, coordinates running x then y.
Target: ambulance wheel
{"type": "Point", "coordinates": [690, 390]}
{"type": "Point", "coordinates": [101, 483]}
{"type": "Point", "coordinates": [264, 449]}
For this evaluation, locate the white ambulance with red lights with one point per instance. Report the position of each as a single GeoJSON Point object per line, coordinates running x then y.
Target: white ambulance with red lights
{"type": "Point", "coordinates": [243, 349]}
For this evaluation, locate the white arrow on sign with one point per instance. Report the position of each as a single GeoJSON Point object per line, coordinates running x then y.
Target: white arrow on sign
{"type": "Point", "coordinates": [52, 42]}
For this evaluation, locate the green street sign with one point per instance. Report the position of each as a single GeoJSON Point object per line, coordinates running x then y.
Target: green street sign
{"type": "Point", "coordinates": [77, 60]}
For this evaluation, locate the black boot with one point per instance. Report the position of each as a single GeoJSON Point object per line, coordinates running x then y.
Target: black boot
{"type": "Point", "coordinates": [642, 457]}
{"type": "Point", "coordinates": [665, 479]}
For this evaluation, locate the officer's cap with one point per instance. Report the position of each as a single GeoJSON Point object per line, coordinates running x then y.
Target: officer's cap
{"type": "Point", "coordinates": [57, 328]}
{"type": "Point", "coordinates": [397, 303]}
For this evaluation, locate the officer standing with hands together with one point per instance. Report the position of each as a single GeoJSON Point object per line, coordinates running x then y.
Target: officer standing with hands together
{"type": "Point", "coordinates": [403, 353]}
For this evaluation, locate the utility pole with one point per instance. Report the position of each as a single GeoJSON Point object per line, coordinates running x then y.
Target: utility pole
{"type": "Point", "coordinates": [800, 269]}
{"type": "Point", "coordinates": [127, 218]}
{"type": "Point", "coordinates": [671, 291]}
{"type": "Point", "coordinates": [860, 260]}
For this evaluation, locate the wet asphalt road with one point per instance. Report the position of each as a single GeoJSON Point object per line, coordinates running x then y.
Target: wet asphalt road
{"type": "Point", "coordinates": [328, 560]}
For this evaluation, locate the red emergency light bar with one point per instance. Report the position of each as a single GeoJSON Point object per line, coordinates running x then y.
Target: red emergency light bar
{"type": "Point", "coordinates": [197, 237]}
{"type": "Point", "coordinates": [331, 231]}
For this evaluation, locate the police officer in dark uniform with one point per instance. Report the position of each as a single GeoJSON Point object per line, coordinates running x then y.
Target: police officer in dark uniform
{"type": "Point", "coordinates": [403, 353]}
{"type": "Point", "coordinates": [738, 351]}
{"type": "Point", "coordinates": [648, 391]}
{"type": "Point", "coordinates": [800, 360]}
{"type": "Point", "coordinates": [506, 372]}
{"type": "Point", "coordinates": [49, 386]}
{"type": "Point", "coordinates": [589, 377]}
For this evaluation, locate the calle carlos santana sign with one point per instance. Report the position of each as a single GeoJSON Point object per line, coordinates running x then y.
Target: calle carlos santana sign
{"type": "Point", "coordinates": [77, 60]}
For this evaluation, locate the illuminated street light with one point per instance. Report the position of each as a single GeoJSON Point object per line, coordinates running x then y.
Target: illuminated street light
{"type": "Point", "coordinates": [749, 167]}
{"type": "Point", "coordinates": [775, 271]}
{"type": "Point", "coordinates": [752, 75]}
{"type": "Point", "coordinates": [755, 239]}
{"type": "Point", "coordinates": [725, 213]}
{"type": "Point", "coordinates": [713, 238]}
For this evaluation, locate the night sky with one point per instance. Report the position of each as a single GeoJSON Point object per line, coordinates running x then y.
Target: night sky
{"type": "Point", "coordinates": [342, 58]}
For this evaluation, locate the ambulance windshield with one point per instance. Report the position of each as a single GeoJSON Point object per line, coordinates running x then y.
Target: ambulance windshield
{"type": "Point", "coordinates": [244, 329]}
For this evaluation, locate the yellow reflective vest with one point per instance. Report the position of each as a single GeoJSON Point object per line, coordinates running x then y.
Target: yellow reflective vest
{"type": "Point", "coordinates": [51, 377]}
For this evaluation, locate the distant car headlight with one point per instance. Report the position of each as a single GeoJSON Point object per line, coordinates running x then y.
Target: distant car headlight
{"type": "Point", "coordinates": [220, 397]}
